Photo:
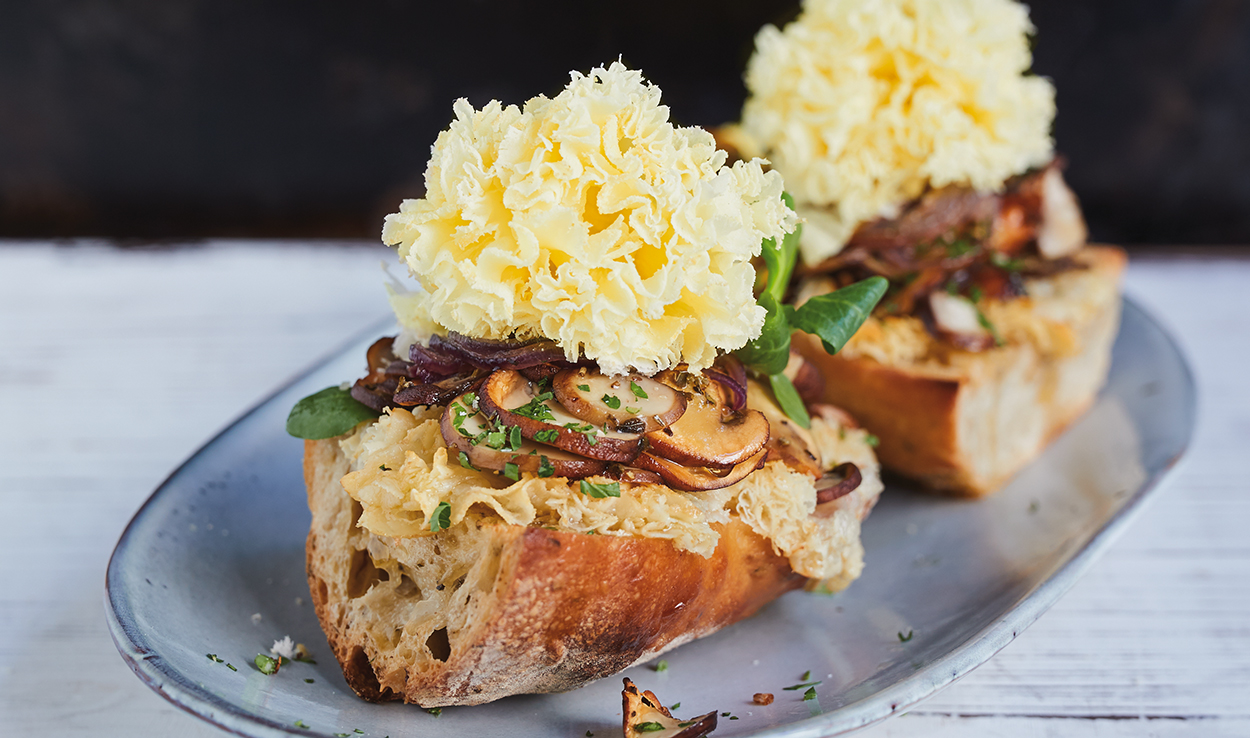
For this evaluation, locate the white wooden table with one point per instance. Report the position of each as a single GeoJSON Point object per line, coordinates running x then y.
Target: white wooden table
{"type": "Point", "coordinates": [115, 365]}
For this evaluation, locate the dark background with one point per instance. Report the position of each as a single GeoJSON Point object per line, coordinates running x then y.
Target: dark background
{"type": "Point", "coordinates": [171, 119]}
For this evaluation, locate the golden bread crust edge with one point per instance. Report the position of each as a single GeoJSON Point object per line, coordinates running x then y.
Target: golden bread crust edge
{"type": "Point", "coordinates": [565, 608]}
{"type": "Point", "coordinates": [933, 424]}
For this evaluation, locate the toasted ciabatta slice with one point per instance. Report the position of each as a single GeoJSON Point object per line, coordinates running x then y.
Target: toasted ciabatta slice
{"type": "Point", "coordinates": [485, 608]}
{"type": "Point", "coordinates": [965, 422]}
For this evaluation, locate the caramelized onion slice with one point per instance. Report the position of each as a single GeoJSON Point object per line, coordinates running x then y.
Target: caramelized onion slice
{"type": "Point", "coordinates": [708, 433]}
{"type": "Point", "coordinates": [638, 404]}
{"type": "Point", "coordinates": [514, 400]}
{"type": "Point", "coordinates": [528, 457]}
{"type": "Point", "coordinates": [839, 481]}
{"type": "Point", "coordinates": [693, 478]}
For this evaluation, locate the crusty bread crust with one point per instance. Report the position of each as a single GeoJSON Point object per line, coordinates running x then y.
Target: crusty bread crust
{"type": "Point", "coordinates": [531, 609]}
{"type": "Point", "coordinates": [967, 428]}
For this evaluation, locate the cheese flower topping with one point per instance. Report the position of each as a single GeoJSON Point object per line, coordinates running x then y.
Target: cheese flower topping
{"type": "Point", "coordinates": [862, 105]}
{"type": "Point", "coordinates": [592, 220]}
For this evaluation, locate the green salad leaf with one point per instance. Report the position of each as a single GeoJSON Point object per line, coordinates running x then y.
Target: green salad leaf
{"type": "Point", "coordinates": [326, 414]}
{"type": "Point", "coordinates": [833, 318]}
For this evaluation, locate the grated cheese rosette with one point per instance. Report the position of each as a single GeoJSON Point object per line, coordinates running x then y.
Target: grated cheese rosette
{"type": "Point", "coordinates": [592, 220]}
{"type": "Point", "coordinates": [862, 105]}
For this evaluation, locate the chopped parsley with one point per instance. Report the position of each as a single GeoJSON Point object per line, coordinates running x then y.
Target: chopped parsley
{"type": "Point", "coordinates": [804, 685]}
{"type": "Point", "coordinates": [633, 410]}
{"type": "Point", "coordinates": [536, 408]}
{"type": "Point", "coordinates": [441, 518]}
{"type": "Point", "coordinates": [308, 681]}
{"type": "Point", "coordinates": [674, 706]}
{"type": "Point", "coordinates": [301, 724]}
{"type": "Point", "coordinates": [1003, 261]}
{"type": "Point", "coordinates": [662, 665]}
{"type": "Point", "coordinates": [872, 440]}
{"type": "Point", "coordinates": [342, 735]}
{"type": "Point", "coordinates": [975, 294]}
{"type": "Point", "coordinates": [545, 467]}
{"type": "Point", "coordinates": [512, 471]}
{"type": "Point", "coordinates": [905, 638]}
{"type": "Point", "coordinates": [638, 391]}
{"type": "Point", "coordinates": [384, 467]}
{"type": "Point", "coordinates": [810, 694]}
{"type": "Point", "coordinates": [648, 727]}
{"type": "Point", "coordinates": [807, 675]}
{"type": "Point", "coordinates": [987, 325]}
{"type": "Point", "coordinates": [464, 461]}
{"type": "Point", "coordinates": [231, 667]}
{"type": "Point", "coordinates": [267, 664]}
{"type": "Point", "coordinates": [213, 657]}
{"type": "Point", "coordinates": [612, 401]}
{"type": "Point", "coordinates": [549, 435]}
{"type": "Point", "coordinates": [584, 387]}
{"type": "Point", "coordinates": [959, 248]}
{"type": "Point", "coordinates": [594, 489]}
{"type": "Point", "coordinates": [435, 711]}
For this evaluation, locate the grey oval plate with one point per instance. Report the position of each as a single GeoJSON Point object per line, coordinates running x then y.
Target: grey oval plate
{"type": "Point", "coordinates": [214, 563]}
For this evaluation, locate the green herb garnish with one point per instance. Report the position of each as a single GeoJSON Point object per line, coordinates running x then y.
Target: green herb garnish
{"type": "Point", "coordinates": [674, 706]}
{"type": "Point", "coordinates": [266, 664]}
{"type": "Point", "coordinates": [383, 467]}
{"type": "Point", "coordinates": [308, 681]}
{"type": "Point", "coordinates": [326, 414]}
{"type": "Point", "coordinates": [441, 518]}
{"type": "Point", "coordinates": [959, 247]}
{"type": "Point", "coordinates": [435, 711]}
{"type": "Point", "coordinates": [612, 401]}
{"type": "Point", "coordinates": [662, 665]}
{"type": "Point", "coordinates": [905, 638]}
{"type": "Point", "coordinates": [545, 467]}
{"type": "Point", "coordinates": [834, 317]}
{"type": "Point", "coordinates": [639, 392]}
{"type": "Point", "coordinates": [872, 440]}
{"type": "Point", "coordinates": [788, 399]}
{"type": "Point", "coordinates": [213, 657]}
{"type": "Point", "coordinates": [551, 435]}
{"type": "Point", "coordinates": [807, 675]}
{"type": "Point", "coordinates": [987, 325]}
{"type": "Point", "coordinates": [633, 410]}
{"type": "Point", "coordinates": [804, 685]}
{"type": "Point", "coordinates": [512, 471]}
{"type": "Point", "coordinates": [231, 667]}
{"type": "Point", "coordinates": [810, 694]}
{"type": "Point", "coordinates": [536, 408]}
{"type": "Point", "coordinates": [464, 461]}
{"type": "Point", "coordinates": [594, 489]}
{"type": "Point", "coordinates": [584, 387]}
{"type": "Point", "coordinates": [648, 727]}
{"type": "Point", "coordinates": [300, 724]}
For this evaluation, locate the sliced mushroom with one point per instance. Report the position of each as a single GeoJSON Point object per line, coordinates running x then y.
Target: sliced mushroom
{"type": "Point", "coordinates": [1062, 229]}
{"type": "Point", "coordinates": [641, 712]}
{"type": "Point", "coordinates": [806, 378]}
{"type": "Point", "coordinates": [630, 403]}
{"type": "Point", "coordinates": [710, 433]}
{"type": "Point", "coordinates": [461, 425]}
{"type": "Point", "coordinates": [694, 478]}
{"type": "Point", "coordinates": [633, 475]}
{"type": "Point", "coordinates": [516, 401]}
{"type": "Point", "coordinates": [956, 319]}
{"type": "Point", "coordinates": [787, 441]}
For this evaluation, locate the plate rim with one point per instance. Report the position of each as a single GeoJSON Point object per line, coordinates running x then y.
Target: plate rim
{"type": "Point", "coordinates": [896, 698]}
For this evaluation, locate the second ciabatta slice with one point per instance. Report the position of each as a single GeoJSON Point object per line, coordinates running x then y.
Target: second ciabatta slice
{"type": "Point", "coordinates": [966, 422]}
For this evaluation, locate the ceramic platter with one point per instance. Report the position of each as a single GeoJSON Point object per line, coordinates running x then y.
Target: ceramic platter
{"type": "Point", "coordinates": [214, 563]}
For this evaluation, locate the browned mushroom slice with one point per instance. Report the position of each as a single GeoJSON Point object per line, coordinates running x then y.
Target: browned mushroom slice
{"type": "Point", "coordinates": [644, 716]}
{"type": "Point", "coordinates": [694, 478]}
{"type": "Point", "coordinates": [630, 403]}
{"type": "Point", "coordinates": [632, 475]}
{"type": "Point", "coordinates": [467, 433]}
{"type": "Point", "coordinates": [806, 378]}
{"type": "Point", "coordinates": [709, 433]}
{"type": "Point", "coordinates": [516, 401]}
